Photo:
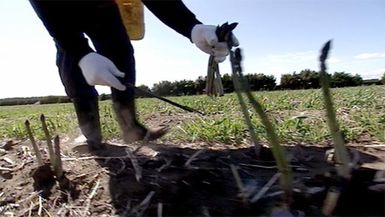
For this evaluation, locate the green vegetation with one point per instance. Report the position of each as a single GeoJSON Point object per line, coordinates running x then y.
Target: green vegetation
{"type": "Point", "coordinates": [308, 79]}
{"type": "Point", "coordinates": [305, 79]}
{"type": "Point", "coordinates": [298, 116]}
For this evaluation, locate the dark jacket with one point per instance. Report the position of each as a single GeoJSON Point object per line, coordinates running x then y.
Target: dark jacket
{"type": "Point", "coordinates": [66, 20]}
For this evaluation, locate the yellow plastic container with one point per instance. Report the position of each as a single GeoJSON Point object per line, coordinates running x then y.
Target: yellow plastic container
{"type": "Point", "coordinates": [132, 13]}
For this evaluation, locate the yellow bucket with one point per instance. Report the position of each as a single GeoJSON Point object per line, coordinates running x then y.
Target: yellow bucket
{"type": "Point", "coordinates": [132, 14]}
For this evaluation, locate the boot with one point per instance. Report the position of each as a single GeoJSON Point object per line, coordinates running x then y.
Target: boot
{"type": "Point", "coordinates": [131, 129]}
{"type": "Point", "coordinates": [87, 111]}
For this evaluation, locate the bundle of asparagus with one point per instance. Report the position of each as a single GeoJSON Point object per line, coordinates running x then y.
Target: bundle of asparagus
{"type": "Point", "coordinates": [214, 86]}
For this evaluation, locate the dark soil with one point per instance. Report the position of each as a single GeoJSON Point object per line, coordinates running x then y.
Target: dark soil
{"type": "Point", "coordinates": [108, 183]}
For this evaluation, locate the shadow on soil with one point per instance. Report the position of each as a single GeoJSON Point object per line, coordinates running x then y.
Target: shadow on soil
{"type": "Point", "coordinates": [206, 187]}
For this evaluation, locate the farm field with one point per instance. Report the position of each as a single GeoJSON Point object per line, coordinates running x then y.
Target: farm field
{"type": "Point", "coordinates": [105, 184]}
{"type": "Point", "coordinates": [298, 116]}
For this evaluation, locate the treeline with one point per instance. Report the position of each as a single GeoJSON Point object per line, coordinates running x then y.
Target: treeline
{"type": "Point", "coordinates": [34, 100]}
{"type": "Point", "coordinates": [305, 79]}
{"type": "Point", "coordinates": [190, 87]}
{"type": "Point", "coordinates": [308, 79]}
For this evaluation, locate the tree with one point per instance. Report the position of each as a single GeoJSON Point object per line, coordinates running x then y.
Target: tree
{"type": "Point", "coordinates": [260, 81]}
{"type": "Point", "coordinates": [163, 88]}
{"type": "Point", "coordinates": [291, 81]}
{"type": "Point", "coordinates": [342, 79]}
{"type": "Point", "coordinates": [310, 79]}
{"type": "Point", "coordinates": [104, 96]}
{"type": "Point", "coordinates": [383, 78]}
{"type": "Point", "coordinates": [227, 81]}
{"type": "Point", "coordinates": [184, 87]}
{"type": "Point", "coordinates": [200, 85]}
{"type": "Point", "coordinates": [357, 80]}
{"type": "Point", "coordinates": [142, 94]}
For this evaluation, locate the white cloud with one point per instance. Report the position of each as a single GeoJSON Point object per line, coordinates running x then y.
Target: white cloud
{"type": "Point", "coordinates": [365, 56]}
{"type": "Point", "coordinates": [332, 60]}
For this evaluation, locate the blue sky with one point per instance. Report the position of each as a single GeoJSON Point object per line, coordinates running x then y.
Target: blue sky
{"type": "Point", "coordinates": [277, 36]}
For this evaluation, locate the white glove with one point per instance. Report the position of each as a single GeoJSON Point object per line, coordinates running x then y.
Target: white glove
{"type": "Point", "coordinates": [205, 38]}
{"type": "Point", "coordinates": [99, 70]}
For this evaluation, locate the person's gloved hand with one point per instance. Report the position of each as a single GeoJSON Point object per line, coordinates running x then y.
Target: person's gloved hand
{"type": "Point", "coordinates": [205, 38]}
{"type": "Point", "coordinates": [99, 70]}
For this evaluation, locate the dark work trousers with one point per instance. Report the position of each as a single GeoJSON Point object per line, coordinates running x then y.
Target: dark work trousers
{"type": "Point", "coordinates": [106, 30]}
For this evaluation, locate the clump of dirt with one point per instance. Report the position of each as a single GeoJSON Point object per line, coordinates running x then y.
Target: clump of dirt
{"type": "Point", "coordinates": [43, 179]}
{"type": "Point", "coordinates": [186, 180]}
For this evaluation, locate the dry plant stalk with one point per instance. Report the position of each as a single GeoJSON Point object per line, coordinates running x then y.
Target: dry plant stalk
{"type": "Point", "coordinates": [192, 158]}
{"type": "Point", "coordinates": [94, 190]}
{"type": "Point", "coordinates": [14, 168]}
{"type": "Point", "coordinates": [339, 144]}
{"type": "Point", "coordinates": [40, 206]}
{"type": "Point", "coordinates": [160, 210]}
{"type": "Point", "coordinates": [8, 160]}
{"type": "Point", "coordinates": [6, 169]}
{"type": "Point", "coordinates": [90, 196]}
{"type": "Point", "coordinates": [142, 207]}
{"type": "Point", "coordinates": [238, 181]}
{"type": "Point", "coordinates": [33, 142]}
{"type": "Point", "coordinates": [137, 168]}
{"type": "Point", "coordinates": [205, 211]}
{"type": "Point", "coordinates": [265, 188]}
{"type": "Point", "coordinates": [49, 142]}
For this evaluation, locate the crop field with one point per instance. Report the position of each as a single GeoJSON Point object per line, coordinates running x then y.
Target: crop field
{"type": "Point", "coordinates": [206, 165]}
{"type": "Point", "coordinates": [298, 115]}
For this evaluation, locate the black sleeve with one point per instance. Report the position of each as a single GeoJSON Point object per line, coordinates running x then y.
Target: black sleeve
{"type": "Point", "coordinates": [174, 14]}
{"type": "Point", "coordinates": [61, 20]}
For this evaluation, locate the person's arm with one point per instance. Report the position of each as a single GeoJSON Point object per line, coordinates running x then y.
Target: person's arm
{"type": "Point", "coordinates": [174, 14]}
{"type": "Point", "coordinates": [60, 20]}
